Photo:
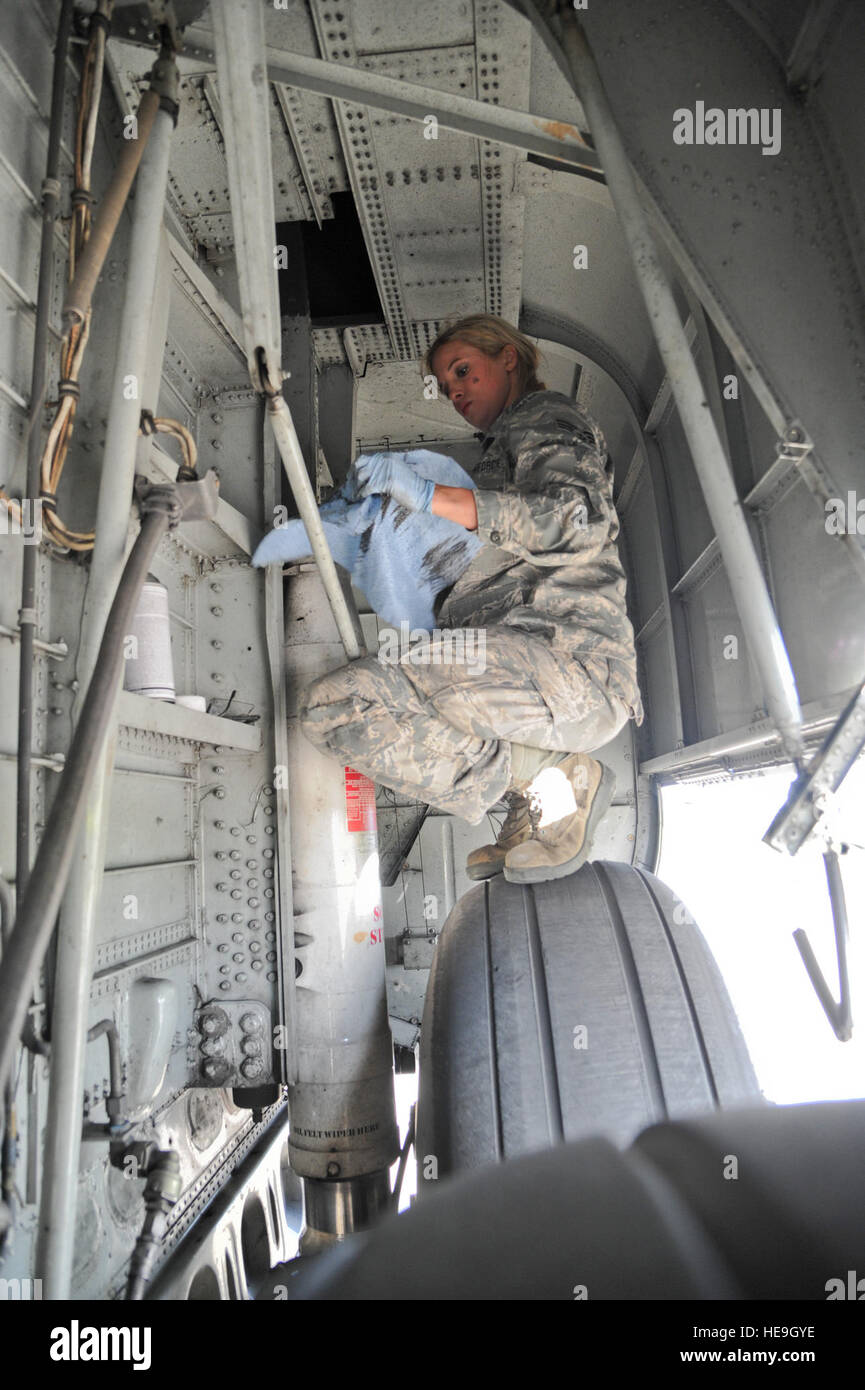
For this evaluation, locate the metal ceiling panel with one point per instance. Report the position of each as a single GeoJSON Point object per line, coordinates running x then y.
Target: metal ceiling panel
{"type": "Point", "coordinates": [551, 92]}
{"type": "Point", "coordinates": [380, 26]}
{"type": "Point", "coordinates": [433, 202]}
{"type": "Point", "coordinates": [328, 347]}
{"type": "Point", "coordinates": [310, 118]}
{"type": "Point", "coordinates": [503, 44]}
{"type": "Point", "coordinates": [198, 177]}
{"type": "Point", "coordinates": [406, 183]}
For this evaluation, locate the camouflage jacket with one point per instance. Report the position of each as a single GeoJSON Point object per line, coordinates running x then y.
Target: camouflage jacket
{"type": "Point", "coordinates": [549, 565]}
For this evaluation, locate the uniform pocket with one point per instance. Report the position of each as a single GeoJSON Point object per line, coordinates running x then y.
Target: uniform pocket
{"type": "Point", "coordinates": [598, 670]}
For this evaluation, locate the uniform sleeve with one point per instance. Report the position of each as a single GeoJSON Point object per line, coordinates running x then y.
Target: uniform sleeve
{"type": "Point", "coordinates": [561, 499]}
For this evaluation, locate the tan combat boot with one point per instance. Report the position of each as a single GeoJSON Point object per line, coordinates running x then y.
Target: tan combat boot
{"type": "Point", "coordinates": [487, 861]}
{"type": "Point", "coordinates": [561, 846]}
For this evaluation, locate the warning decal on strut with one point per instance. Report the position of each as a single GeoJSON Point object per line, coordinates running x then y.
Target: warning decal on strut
{"type": "Point", "coordinates": [359, 801]}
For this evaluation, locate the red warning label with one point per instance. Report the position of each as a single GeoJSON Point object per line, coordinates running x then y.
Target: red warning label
{"type": "Point", "coordinates": [359, 801]}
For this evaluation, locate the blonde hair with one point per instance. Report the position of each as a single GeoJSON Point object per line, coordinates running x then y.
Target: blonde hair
{"type": "Point", "coordinates": [490, 334]}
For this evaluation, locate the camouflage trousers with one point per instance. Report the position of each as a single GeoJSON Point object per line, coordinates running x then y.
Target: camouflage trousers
{"type": "Point", "coordinates": [441, 731]}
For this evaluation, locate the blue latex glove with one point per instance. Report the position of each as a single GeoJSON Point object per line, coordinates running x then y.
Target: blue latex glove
{"type": "Point", "coordinates": [388, 473]}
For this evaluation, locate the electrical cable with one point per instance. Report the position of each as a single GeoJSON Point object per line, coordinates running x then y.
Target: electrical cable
{"type": "Point", "coordinates": [84, 265]}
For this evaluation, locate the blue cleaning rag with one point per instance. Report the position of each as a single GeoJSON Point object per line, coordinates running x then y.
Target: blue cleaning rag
{"type": "Point", "coordinates": [398, 558]}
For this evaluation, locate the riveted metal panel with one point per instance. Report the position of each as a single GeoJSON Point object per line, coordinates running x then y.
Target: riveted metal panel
{"type": "Point", "coordinates": [328, 348]}
{"type": "Point", "coordinates": [404, 180]}
{"type": "Point", "coordinates": [725, 684]}
{"type": "Point", "coordinates": [206, 357]}
{"type": "Point", "coordinates": [366, 176]}
{"type": "Point", "coordinates": [380, 26]}
{"type": "Point", "coordinates": [198, 177]}
{"type": "Point", "coordinates": [647, 593]}
{"type": "Point", "coordinates": [369, 343]}
{"type": "Point", "coordinates": [434, 202]}
{"type": "Point", "coordinates": [503, 57]}
{"type": "Point", "coordinates": [310, 118]}
{"type": "Point", "coordinates": [693, 527]}
{"type": "Point", "coordinates": [551, 93]}
{"type": "Point", "coordinates": [819, 597]}
{"type": "Point", "coordinates": [660, 698]}
{"type": "Point", "coordinates": [762, 234]}
{"type": "Point", "coordinates": [228, 442]}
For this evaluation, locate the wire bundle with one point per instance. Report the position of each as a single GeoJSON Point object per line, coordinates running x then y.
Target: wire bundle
{"type": "Point", "coordinates": [77, 333]}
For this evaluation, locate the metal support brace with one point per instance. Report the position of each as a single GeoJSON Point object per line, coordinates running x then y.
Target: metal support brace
{"type": "Point", "coordinates": [347, 621]}
{"type": "Point", "coordinates": [245, 99]}
{"type": "Point", "coordinates": [519, 130]}
{"type": "Point", "coordinates": [809, 796]}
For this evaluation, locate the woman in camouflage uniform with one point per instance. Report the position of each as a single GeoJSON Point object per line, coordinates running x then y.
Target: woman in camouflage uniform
{"type": "Point", "coordinates": [546, 590]}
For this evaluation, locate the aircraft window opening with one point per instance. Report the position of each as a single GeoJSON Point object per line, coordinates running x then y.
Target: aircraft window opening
{"type": "Point", "coordinates": [747, 899]}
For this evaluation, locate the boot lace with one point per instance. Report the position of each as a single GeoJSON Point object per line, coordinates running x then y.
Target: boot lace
{"type": "Point", "coordinates": [516, 804]}
{"type": "Point", "coordinates": [536, 810]}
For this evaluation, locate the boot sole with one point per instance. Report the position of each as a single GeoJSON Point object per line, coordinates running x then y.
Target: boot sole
{"type": "Point", "coordinates": [479, 874]}
{"type": "Point", "coordinates": [600, 807]}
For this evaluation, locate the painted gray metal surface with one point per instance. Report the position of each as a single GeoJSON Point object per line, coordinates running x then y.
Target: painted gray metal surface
{"type": "Point", "coordinates": [767, 258]}
{"type": "Point", "coordinates": [190, 891]}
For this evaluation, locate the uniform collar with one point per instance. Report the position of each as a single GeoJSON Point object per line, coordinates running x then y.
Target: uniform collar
{"type": "Point", "coordinates": [503, 419]}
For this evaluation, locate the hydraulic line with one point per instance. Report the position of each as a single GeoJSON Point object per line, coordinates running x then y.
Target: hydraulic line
{"type": "Point", "coordinates": [80, 292]}
{"type": "Point", "coordinates": [76, 329]}
{"type": "Point", "coordinates": [164, 1186]}
{"type": "Point", "coordinates": [115, 1064]}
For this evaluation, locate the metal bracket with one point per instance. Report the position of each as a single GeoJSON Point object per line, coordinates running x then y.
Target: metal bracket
{"type": "Point", "coordinates": [196, 501]}
{"type": "Point", "coordinates": [811, 793]}
{"type": "Point", "coordinates": [144, 23]}
{"type": "Point", "coordinates": [802, 814]}
{"type": "Point", "coordinates": [795, 443]}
